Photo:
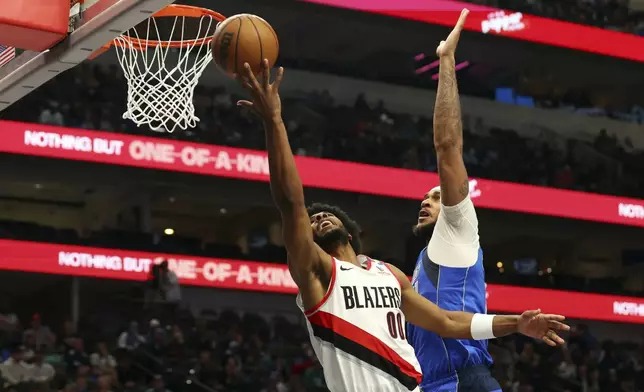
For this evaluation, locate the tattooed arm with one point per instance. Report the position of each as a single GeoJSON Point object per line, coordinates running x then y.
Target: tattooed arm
{"type": "Point", "coordinates": [448, 128]}
{"type": "Point", "coordinates": [457, 241]}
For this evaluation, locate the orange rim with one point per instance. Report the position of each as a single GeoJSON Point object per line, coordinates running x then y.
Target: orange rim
{"type": "Point", "coordinates": [175, 10]}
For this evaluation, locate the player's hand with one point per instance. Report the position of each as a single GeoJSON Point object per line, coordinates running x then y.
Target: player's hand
{"type": "Point", "coordinates": [447, 48]}
{"type": "Point", "coordinates": [265, 95]}
{"type": "Point", "coordinates": [541, 326]}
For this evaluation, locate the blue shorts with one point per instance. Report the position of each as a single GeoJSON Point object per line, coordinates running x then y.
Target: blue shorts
{"type": "Point", "coordinates": [471, 379]}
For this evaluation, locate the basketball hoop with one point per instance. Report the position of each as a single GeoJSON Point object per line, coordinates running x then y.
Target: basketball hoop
{"type": "Point", "coordinates": [163, 66]}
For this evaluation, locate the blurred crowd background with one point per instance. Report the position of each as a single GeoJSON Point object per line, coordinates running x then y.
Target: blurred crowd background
{"type": "Point", "coordinates": [120, 348]}
{"type": "Point", "coordinates": [157, 343]}
{"type": "Point", "coordinates": [319, 127]}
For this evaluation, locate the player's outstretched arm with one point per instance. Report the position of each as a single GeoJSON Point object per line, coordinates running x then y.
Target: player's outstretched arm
{"type": "Point", "coordinates": [304, 256]}
{"type": "Point", "coordinates": [448, 127]}
{"type": "Point", "coordinates": [463, 325]}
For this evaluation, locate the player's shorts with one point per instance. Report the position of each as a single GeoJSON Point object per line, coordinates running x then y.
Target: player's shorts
{"type": "Point", "coordinates": [471, 379]}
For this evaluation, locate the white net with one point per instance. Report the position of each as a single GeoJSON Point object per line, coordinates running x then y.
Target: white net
{"type": "Point", "coordinates": [161, 79]}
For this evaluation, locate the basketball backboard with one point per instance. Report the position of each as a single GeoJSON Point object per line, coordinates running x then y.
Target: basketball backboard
{"type": "Point", "coordinates": [93, 23]}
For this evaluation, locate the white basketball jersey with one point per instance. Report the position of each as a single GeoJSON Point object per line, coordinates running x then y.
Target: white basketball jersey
{"type": "Point", "coordinates": [358, 331]}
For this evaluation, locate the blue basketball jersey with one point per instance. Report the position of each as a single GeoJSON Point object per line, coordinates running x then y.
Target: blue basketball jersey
{"type": "Point", "coordinates": [457, 289]}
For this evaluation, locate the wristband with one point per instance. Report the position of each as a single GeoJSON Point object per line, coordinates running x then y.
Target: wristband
{"type": "Point", "coordinates": [481, 326]}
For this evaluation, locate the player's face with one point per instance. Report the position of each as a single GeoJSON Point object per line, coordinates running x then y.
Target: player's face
{"type": "Point", "coordinates": [430, 207]}
{"type": "Point", "coordinates": [328, 231]}
{"type": "Point", "coordinates": [325, 222]}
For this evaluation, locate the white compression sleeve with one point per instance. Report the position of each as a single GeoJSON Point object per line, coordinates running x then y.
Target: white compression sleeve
{"type": "Point", "coordinates": [455, 240]}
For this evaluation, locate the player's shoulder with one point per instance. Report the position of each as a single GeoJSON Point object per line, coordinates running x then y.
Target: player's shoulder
{"type": "Point", "coordinates": [398, 274]}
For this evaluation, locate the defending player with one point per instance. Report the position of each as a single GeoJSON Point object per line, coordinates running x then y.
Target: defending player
{"type": "Point", "coordinates": [356, 310]}
{"type": "Point", "coordinates": [449, 272]}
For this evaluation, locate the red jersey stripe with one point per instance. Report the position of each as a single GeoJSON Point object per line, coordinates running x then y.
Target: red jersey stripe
{"type": "Point", "coordinates": [365, 339]}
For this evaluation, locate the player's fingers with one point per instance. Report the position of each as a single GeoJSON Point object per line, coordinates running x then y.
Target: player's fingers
{"type": "Point", "coordinates": [245, 103]}
{"type": "Point", "coordinates": [455, 34]}
{"type": "Point", "coordinates": [243, 81]}
{"type": "Point", "coordinates": [278, 78]}
{"type": "Point", "coordinates": [548, 341]}
{"type": "Point", "coordinates": [553, 324]}
{"type": "Point", "coordinates": [248, 105]}
{"type": "Point", "coordinates": [239, 78]}
{"type": "Point", "coordinates": [461, 20]}
{"type": "Point", "coordinates": [556, 338]}
{"type": "Point", "coordinates": [266, 74]}
{"type": "Point", "coordinates": [250, 77]}
{"type": "Point", "coordinates": [532, 313]}
{"type": "Point", "coordinates": [556, 317]}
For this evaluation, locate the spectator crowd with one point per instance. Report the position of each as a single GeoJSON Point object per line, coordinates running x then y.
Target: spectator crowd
{"type": "Point", "coordinates": [92, 97]}
{"type": "Point", "coordinates": [212, 352]}
{"type": "Point", "coordinates": [229, 351]}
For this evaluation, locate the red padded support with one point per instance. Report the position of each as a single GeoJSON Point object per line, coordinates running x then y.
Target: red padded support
{"type": "Point", "coordinates": [33, 24]}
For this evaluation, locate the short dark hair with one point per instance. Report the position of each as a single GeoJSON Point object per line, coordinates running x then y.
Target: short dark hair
{"type": "Point", "coordinates": [350, 225]}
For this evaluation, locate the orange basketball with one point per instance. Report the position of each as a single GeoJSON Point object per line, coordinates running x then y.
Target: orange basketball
{"type": "Point", "coordinates": [244, 38]}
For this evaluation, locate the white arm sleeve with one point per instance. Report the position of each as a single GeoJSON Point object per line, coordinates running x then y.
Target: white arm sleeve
{"type": "Point", "coordinates": [455, 241]}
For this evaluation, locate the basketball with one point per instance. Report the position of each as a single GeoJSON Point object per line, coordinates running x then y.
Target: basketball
{"type": "Point", "coordinates": [244, 38]}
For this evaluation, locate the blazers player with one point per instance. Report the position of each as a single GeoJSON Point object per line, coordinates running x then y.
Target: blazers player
{"type": "Point", "coordinates": [355, 310]}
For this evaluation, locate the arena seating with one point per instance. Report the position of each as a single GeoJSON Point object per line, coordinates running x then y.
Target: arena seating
{"type": "Point", "coordinates": [318, 127]}
{"type": "Point", "coordinates": [121, 347]}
